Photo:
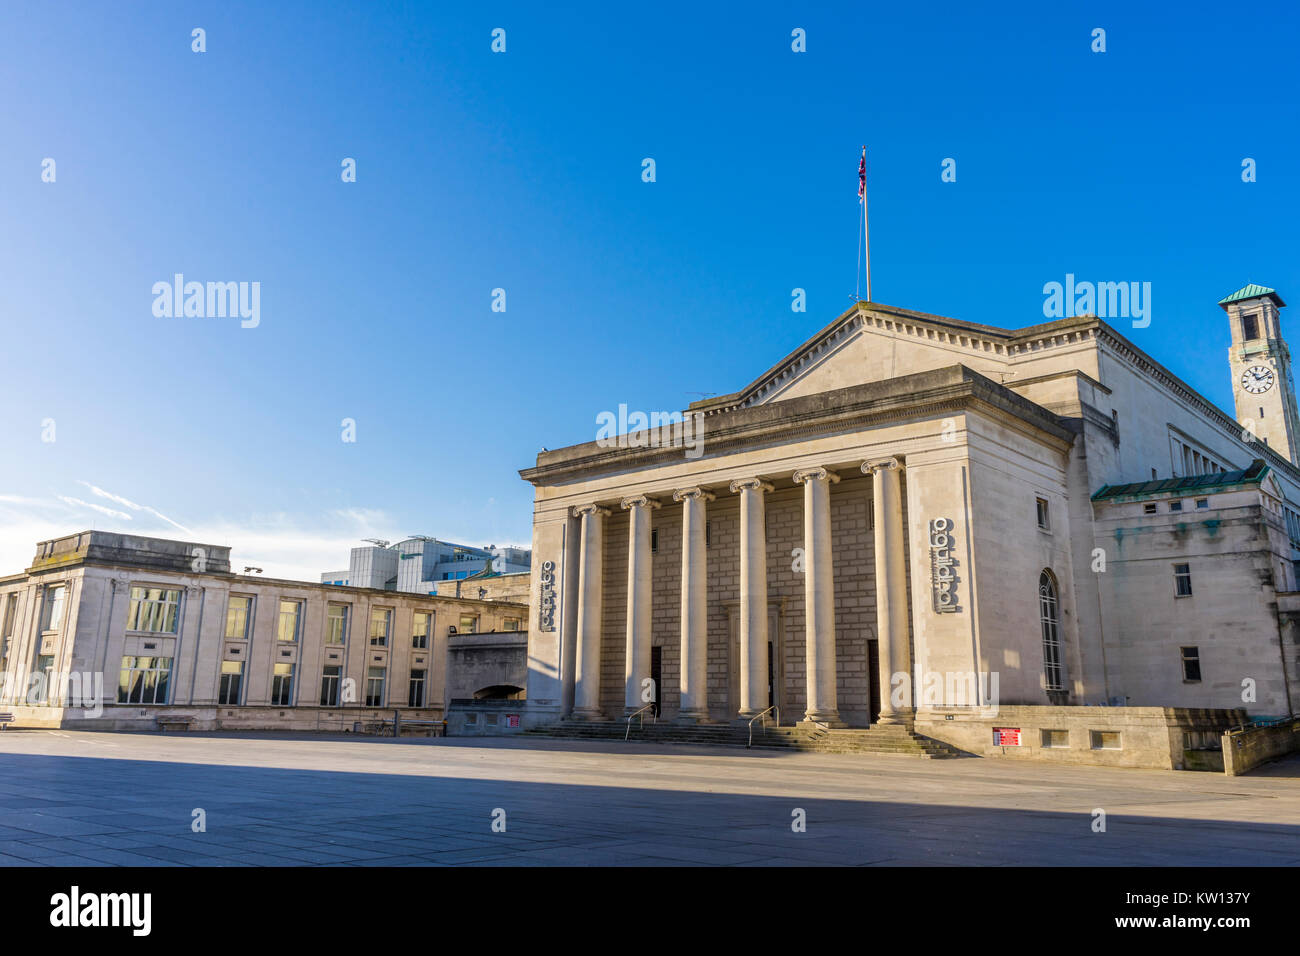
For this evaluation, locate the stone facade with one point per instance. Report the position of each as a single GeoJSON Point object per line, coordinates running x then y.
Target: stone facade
{"type": "Point", "coordinates": [908, 497]}
{"type": "Point", "coordinates": [100, 604]}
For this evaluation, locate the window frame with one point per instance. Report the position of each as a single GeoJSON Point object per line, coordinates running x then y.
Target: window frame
{"type": "Point", "coordinates": [1181, 578]}
{"type": "Point", "coordinates": [1194, 659]}
{"type": "Point", "coordinates": [383, 640]}
{"type": "Point", "coordinates": [343, 629]}
{"type": "Point", "coordinates": [1049, 622]}
{"type": "Point", "coordinates": [135, 609]}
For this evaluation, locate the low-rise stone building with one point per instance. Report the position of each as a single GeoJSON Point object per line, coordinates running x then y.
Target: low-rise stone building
{"type": "Point", "coordinates": [118, 631]}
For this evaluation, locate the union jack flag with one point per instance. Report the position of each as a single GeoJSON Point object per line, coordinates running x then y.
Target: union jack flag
{"type": "Point", "coordinates": [862, 176]}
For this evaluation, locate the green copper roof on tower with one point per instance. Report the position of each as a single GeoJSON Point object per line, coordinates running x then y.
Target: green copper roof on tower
{"type": "Point", "coordinates": [1252, 291]}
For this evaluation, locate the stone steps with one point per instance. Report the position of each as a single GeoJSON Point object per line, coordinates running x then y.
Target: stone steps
{"type": "Point", "coordinates": [873, 740]}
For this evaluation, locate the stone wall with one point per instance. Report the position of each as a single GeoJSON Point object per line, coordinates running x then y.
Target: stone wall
{"type": "Point", "coordinates": [1154, 737]}
{"type": "Point", "coordinates": [1245, 750]}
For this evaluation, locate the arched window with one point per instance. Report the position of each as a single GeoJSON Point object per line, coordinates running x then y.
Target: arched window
{"type": "Point", "coordinates": [1049, 618]}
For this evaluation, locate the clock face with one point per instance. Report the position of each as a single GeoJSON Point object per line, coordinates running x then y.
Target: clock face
{"type": "Point", "coordinates": [1257, 378]}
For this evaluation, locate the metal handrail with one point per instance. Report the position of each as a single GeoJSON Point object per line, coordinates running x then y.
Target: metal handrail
{"type": "Point", "coordinates": [654, 718]}
{"type": "Point", "coordinates": [760, 717]}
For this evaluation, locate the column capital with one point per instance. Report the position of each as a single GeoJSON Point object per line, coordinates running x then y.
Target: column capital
{"type": "Point", "coordinates": [697, 492]}
{"type": "Point", "coordinates": [814, 474]}
{"type": "Point", "coordinates": [751, 484]}
{"type": "Point", "coordinates": [874, 464]}
{"type": "Point", "coordinates": [591, 509]}
{"type": "Point", "coordinates": [639, 501]}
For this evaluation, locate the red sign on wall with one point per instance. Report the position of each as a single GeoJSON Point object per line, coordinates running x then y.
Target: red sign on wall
{"type": "Point", "coordinates": [512, 720]}
{"type": "Point", "coordinates": [1006, 736]}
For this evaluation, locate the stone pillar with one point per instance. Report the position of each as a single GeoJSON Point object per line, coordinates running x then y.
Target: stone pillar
{"type": "Point", "coordinates": [753, 597]}
{"type": "Point", "coordinates": [586, 678]}
{"type": "Point", "coordinates": [568, 615]}
{"type": "Point", "coordinates": [695, 609]}
{"type": "Point", "coordinates": [639, 566]}
{"type": "Point", "coordinates": [819, 591]}
{"type": "Point", "coordinates": [891, 589]}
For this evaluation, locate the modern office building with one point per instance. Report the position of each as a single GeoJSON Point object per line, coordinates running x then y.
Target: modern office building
{"type": "Point", "coordinates": [418, 563]}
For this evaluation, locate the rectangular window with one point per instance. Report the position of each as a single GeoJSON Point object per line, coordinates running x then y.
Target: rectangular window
{"type": "Point", "coordinates": [511, 624]}
{"type": "Point", "coordinates": [1056, 739]}
{"type": "Point", "coordinates": [329, 685]}
{"type": "Point", "coordinates": [290, 621]}
{"type": "Point", "coordinates": [282, 685]}
{"type": "Point", "coordinates": [1250, 327]}
{"type": "Point", "coordinates": [1149, 509]}
{"type": "Point", "coordinates": [144, 680]}
{"type": "Point", "coordinates": [238, 616]}
{"type": "Point", "coordinates": [375, 687]}
{"type": "Point", "coordinates": [232, 682]}
{"type": "Point", "coordinates": [1182, 580]}
{"type": "Point", "coordinates": [654, 540]}
{"type": "Point", "coordinates": [1202, 503]}
{"type": "Point", "coordinates": [420, 629]}
{"type": "Point", "coordinates": [1191, 664]}
{"type": "Point", "coordinates": [7, 631]}
{"type": "Point", "coordinates": [468, 624]}
{"type": "Point", "coordinates": [1175, 506]}
{"type": "Point", "coordinates": [381, 625]}
{"type": "Point", "coordinates": [415, 698]}
{"type": "Point", "coordinates": [1105, 740]}
{"type": "Point", "coordinates": [38, 691]}
{"type": "Point", "coordinates": [336, 624]}
{"type": "Point", "coordinates": [1042, 514]}
{"type": "Point", "coordinates": [52, 619]}
{"type": "Point", "coordinates": [156, 610]}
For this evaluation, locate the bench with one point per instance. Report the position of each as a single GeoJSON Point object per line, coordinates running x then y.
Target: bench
{"type": "Point", "coordinates": [177, 723]}
{"type": "Point", "coordinates": [6, 719]}
{"type": "Point", "coordinates": [437, 728]}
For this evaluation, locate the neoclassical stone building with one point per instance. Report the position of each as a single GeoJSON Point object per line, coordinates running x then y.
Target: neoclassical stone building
{"type": "Point", "coordinates": [914, 519]}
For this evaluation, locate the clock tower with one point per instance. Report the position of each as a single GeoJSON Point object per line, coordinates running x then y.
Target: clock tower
{"type": "Point", "coordinates": [1261, 369]}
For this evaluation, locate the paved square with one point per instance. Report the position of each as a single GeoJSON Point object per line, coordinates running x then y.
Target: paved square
{"type": "Point", "coordinates": [91, 799]}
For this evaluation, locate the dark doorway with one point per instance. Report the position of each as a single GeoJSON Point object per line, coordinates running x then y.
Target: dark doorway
{"type": "Point", "coordinates": [873, 678]}
{"type": "Point", "coordinates": [656, 675]}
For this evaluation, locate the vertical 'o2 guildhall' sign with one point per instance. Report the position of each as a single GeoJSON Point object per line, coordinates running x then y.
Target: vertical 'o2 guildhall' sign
{"type": "Point", "coordinates": [943, 582]}
{"type": "Point", "coordinates": [547, 616]}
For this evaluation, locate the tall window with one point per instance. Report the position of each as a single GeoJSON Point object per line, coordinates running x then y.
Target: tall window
{"type": "Point", "coordinates": [282, 685]}
{"type": "Point", "coordinates": [156, 610]}
{"type": "Point", "coordinates": [1182, 580]}
{"type": "Point", "coordinates": [381, 624]}
{"type": "Point", "coordinates": [1191, 664]}
{"type": "Point", "coordinates": [468, 624]}
{"type": "Point", "coordinates": [7, 631]}
{"type": "Point", "coordinates": [238, 615]}
{"type": "Point", "coordinates": [375, 687]}
{"type": "Point", "coordinates": [144, 680]}
{"type": "Point", "coordinates": [1049, 619]}
{"type": "Point", "coordinates": [336, 624]}
{"type": "Point", "coordinates": [415, 697]}
{"type": "Point", "coordinates": [232, 679]}
{"type": "Point", "coordinates": [420, 630]}
{"type": "Point", "coordinates": [54, 599]}
{"type": "Point", "coordinates": [38, 690]}
{"type": "Point", "coordinates": [329, 685]}
{"type": "Point", "coordinates": [1043, 516]}
{"type": "Point", "coordinates": [290, 620]}
{"type": "Point", "coordinates": [1250, 327]}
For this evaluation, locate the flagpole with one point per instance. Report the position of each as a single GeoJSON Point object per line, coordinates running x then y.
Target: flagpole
{"type": "Point", "coordinates": [866, 227]}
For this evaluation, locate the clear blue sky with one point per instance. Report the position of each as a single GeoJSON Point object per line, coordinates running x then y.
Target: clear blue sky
{"type": "Point", "coordinates": [522, 171]}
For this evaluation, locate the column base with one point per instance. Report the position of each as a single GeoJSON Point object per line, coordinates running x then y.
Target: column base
{"type": "Point", "coordinates": [898, 719]}
{"type": "Point", "coordinates": [692, 717]}
{"type": "Point", "coordinates": [586, 715]}
{"type": "Point", "coordinates": [829, 720]}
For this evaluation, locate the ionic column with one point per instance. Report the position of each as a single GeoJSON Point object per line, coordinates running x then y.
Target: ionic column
{"type": "Point", "coordinates": [819, 591]}
{"type": "Point", "coordinates": [891, 588]}
{"type": "Point", "coordinates": [636, 668]}
{"type": "Point", "coordinates": [586, 678]}
{"type": "Point", "coordinates": [695, 611]}
{"type": "Point", "coordinates": [753, 597]}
